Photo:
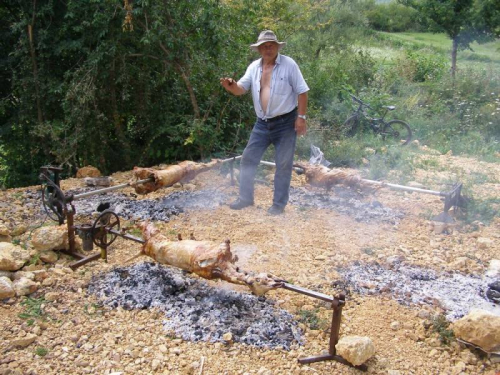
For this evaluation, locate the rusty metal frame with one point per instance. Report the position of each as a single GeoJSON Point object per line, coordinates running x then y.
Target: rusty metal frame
{"type": "Point", "coordinates": [337, 305]}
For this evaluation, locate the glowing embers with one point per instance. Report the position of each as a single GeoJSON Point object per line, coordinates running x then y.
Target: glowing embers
{"type": "Point", "coordinates": [195, 310]}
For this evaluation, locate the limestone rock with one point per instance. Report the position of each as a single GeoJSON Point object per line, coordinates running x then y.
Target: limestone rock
{"type": "Point", "coordinates": [484, 243]}
{"type": "Point", "coordinates": [5, 238]}
{"type": "Point", "coordinates": [98, 181]}
{"type": "Point", "coordinates": [88, 171]}
{"type": "Point", "coordinates": [23, 342]}
{"type": "Point", "coordinates": [25, 286]}
{"type": "Point", "coordinates": [355, 349]}
{"type": "Point", "coordinates": [19, 229]}
{"type": "Point", "coordinates": [12, 257]}
{"type": "Point", "coordinates": [6, 288]}
{"type": "Point", "coordinates": [49, 256]}
{"type": "Point", "coordinates": [4, 230]}
{"type": "Point", "coordinates": [494, 268]}
{"type": "Point", "coordinates": [50, 238]}
{"type": "Point", "coordinates": [480, 328]}
{"type": "Point", "coordinates": [20, 274]}
{"type": "Point", "coordinates": [7, 274]}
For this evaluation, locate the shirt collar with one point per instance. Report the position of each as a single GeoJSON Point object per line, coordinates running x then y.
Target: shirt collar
{"type": "Point", "coordinates": [278, 60]}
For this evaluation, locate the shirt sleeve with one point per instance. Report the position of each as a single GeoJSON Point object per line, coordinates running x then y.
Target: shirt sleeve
{"type": "Point", "coordinates": [298, 83]}
{"type": "Point", "coordinates": [246, 80]}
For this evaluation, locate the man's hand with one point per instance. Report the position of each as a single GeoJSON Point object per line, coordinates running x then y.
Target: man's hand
{"type": "Point", "coordinates": [232, 86]}
{"type": "Point", "coordinates": [300, 126]}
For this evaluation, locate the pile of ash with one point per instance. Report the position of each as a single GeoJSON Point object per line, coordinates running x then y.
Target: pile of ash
{"type": "Point", "coordinates": [346, 202]}
{"type": "Point", "coordinates": [158, 210]}
{"type": "Point", "coordinates": [196, 311]}
{"type": "Point", "coordinates": [455, 293]}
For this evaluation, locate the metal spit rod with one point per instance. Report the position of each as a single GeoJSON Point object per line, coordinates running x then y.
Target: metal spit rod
{"type": "Point", "coordinates": [380, 183]}
{"type": "Point", "coordinates": [293, 288]}
{"type": "Point", "coordinates": [117, 187]}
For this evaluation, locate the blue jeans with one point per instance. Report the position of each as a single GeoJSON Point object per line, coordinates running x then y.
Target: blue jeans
{"type": "Point", "coordinates": [281, 133]}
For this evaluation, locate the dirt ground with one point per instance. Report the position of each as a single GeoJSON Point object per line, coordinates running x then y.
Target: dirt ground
{"type": "Point", "coordinates": [304, 246]}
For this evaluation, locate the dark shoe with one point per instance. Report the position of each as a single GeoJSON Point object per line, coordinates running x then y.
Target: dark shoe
{"type": "Point", "coordinates": [239, 204]}
{"type": "Point", "coordinates": [275, 210]}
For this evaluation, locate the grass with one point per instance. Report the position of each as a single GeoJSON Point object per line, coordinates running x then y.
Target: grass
{"type": "Point", "coordinates": [32, 309]}
{"type": "Point", "coordinates": [312, 320]}
{"type": "Point", "coordinates": [41, 351]}
{"type": "Point", "coordinates": [441, 42]}
{"type": "Point", "coordinates": [440, 326]}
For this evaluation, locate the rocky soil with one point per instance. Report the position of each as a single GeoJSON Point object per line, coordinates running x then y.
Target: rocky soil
{"type": "Point", "coordinates": [72, 332]}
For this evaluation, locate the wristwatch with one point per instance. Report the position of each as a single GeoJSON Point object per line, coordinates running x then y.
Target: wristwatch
{"type": "Point", "coordinates": [303, 117]}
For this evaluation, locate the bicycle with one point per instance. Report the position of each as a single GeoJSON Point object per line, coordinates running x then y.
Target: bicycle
{"type": "Point", "coordinates": [395, 130]}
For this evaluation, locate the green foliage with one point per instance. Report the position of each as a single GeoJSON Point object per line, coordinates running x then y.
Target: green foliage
{"type": "Point", "coordinates": [483, 210]}
{"type": "Point", "coordinates": [419, 67]}
{"type": "Point", "coordinates": [392, 17]}
{"type": "Point", "coordinates": [32, 308]}
{"type": "Point", "coordinates": [312, 319]}
{"type": "Point", "coordinates": [440, 326]}
{"type": "Point", "coordinates": [41, 351]}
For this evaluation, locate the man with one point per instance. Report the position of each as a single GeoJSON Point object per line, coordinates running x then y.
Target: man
{"type": "Point", "coordinates": [279, 95]}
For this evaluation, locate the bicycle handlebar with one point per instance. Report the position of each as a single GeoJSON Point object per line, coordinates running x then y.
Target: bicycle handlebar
{"type": "Point", "coordinates": [359, 101]}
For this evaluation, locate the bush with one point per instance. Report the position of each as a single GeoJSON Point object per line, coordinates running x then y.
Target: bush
{"type": "Point", "coordinates": [420, 67]}
{"type": "Point", "coordinates": [393, 17]}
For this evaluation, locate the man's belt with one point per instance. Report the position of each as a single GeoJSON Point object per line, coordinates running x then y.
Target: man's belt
{"type": "Point", "coordinates": [280, 116]}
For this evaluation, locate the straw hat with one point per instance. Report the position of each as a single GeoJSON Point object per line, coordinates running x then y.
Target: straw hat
{"type": "Point", "coordinates": [267, 36]}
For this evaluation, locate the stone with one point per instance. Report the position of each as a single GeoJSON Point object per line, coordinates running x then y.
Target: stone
{"type": "Point", "coordinates": [6, 288]}
{"type": "Point", "coordinates": [50, 238]}
{"type": "Point", "coordinates": [40, 275]}
{"type": "Point", "coordinates": [484, 243]}
{"type": "Point", "coordinates": [49, 256]}
{"type": "Point", "coordinates": [23, 342]}
{"type": "Point", "coordinates": [480, 328]}
{"type": "Point", "coordinates": [25, 286]}
{"type": "Point", "coordinates": [98, 181]}
{"type": "Point", "coordinates": [19, 229]}
{"type": "Point", "coordinates": [4, 230]}
{"type": "Point", "coordinates": [7, 239]}
{"type": "Point", "coordinates": [494, 268]}
{"type": "Point", "coordinates": [88, 171]}
{"type": "Point", "coordinates": [7, 274]}
{"type": "Point", "coordinates": [228, 337]}
{"type": "Point", "coordinates": [395, 326]}
{"type": "Point", "coordinates": [12, 257]}
{"type": "Point", "coordinates": [20, 274]}
{"type": "Point", "coordinates": [355, 349]}
{"type": "Point", "coordinates": [52, 296]}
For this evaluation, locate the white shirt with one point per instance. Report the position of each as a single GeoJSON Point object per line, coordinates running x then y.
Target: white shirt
{"type": "Point", "coordinates": [287, 84]}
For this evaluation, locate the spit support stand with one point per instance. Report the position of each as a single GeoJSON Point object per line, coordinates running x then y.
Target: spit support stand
{"type": "Point", "coordinates": [337, 305]}
{"type": "Point", "coordinates": [106, 228]}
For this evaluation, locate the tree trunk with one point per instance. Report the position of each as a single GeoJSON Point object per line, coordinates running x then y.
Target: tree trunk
{"type": "Point", "coordinates": [190, 89]}
{"type": "Point", "coordinates": [35, 67]}
{"type": "Point", "coordinates": [454, 50]}
{"type": "Point", "coordinates": [116, 116]}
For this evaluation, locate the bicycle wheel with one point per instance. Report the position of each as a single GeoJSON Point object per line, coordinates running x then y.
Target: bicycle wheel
{"type": "Point", "coordinates": [397, 131]}
{"type": "Point", "coordinates": [351, 125]}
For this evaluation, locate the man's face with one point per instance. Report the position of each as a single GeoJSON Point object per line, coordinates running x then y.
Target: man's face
{"type": "Point", "coordinates": [268, 50]}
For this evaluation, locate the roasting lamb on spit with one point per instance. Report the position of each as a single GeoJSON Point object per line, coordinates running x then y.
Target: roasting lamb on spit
{"type": "Point", "coordinates": [204, 258]}
{"type": "Point", "coordinates": [321, 176]}
{"type": "Point", "coordinates": [182, 172]}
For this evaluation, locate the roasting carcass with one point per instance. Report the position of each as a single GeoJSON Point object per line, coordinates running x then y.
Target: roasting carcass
{"type": "Point", "coordinates": [204, 258]}
{"type": "Point", "coordinates": [321, 176]}
{"type": "Point", "coordinates": [182, 172]}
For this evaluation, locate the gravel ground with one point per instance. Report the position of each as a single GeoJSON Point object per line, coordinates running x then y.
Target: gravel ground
{"type": "Point", "coordinates": [76, 333]}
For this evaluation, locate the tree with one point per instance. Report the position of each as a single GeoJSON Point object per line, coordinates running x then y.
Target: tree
{"type": "Point", "coordinates": [464, 21]}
